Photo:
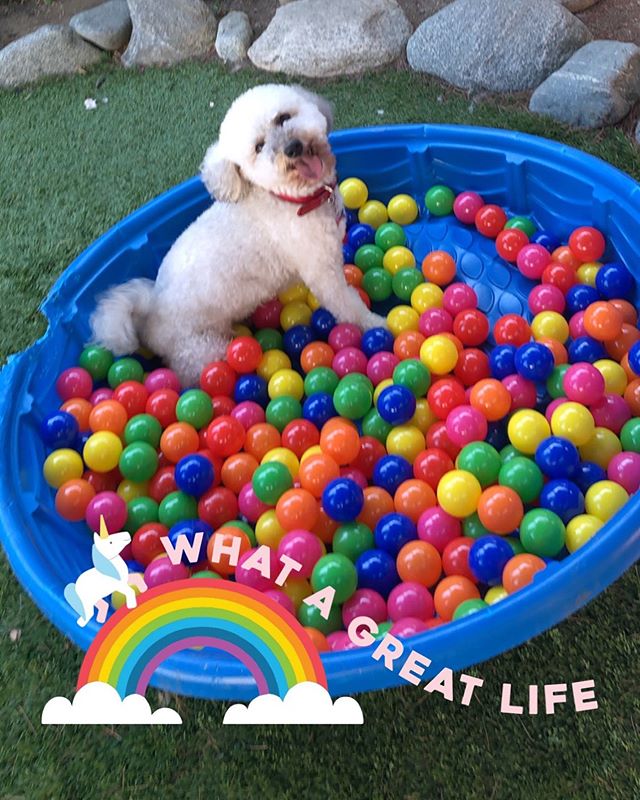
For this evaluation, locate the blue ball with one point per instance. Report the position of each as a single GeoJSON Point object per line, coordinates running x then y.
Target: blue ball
{"type": "Point", "coordinates": [390, 471]}
{"type": "Point", "coordinates": [348, 253]}
{"type": "Point", "coordinates": [487, 558]}
{"type": "Point", "coordinates": [59, 429]}
{"type": "Point", "coordinates": [563, 497]}
{"type": "Point", "coordinates": [352, 217]}
{"type": "Point", "coordinates": [318, 408]}
{"type": "Point", "coordinates": [547, 240]}
{"type": "Point", "coordinates": [194, 474]}
{"type": "Point", "coordinates": [534, 361]}
{"type": "Point", "coordinates": [393, 531]}
{"type": "Point", "coordinates": [497, 435]}
{"type": "Point", "coordinates": [251, 387]}
{"type": "Point", "coordinates": [342, 499]}
{"type": "Point", "coordinates": [396, 404]}
{"type": "Point", "coordinates": [376, 340]}
{"type": "Point", "coordinates": [322, 322]}
{"type": "Point", "coordinates": [187, 529]}
{"type": "Point", "coordinates": [584, 348]}
{"type": "Point", "coordinates": [360, 234]}
{"type": "Point", "coordinates": [502, 361]}
{"type": "Point", "coordinates": [634, 357]}
{"type": "Point", "coordinates": [587, 474]}
{"type": "Point", "coordinates": [614, 280]}
{"type": "Point", "coordinates": [81, 440]}
{"type": "Point", "coordinates": [133, 565]}
{"type": "Point", "coordinates": [557, 457]}
{"type": "Point", "coordinates": [377, 570]}
{"type": "Point", "coordinates": [296, 339]}
{"type": "Point", "coordinates": [579, 297]}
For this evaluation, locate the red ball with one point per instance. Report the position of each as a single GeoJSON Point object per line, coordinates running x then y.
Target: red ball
{"type": "Point", "coordinates": [490, 220]}
{"type": "Point", "coordinates": [587, 244]}
{"type": "Point", "coordinates": [222, 405]}
{"type": "Point", "coordinates": [445, 394]}
{"type": "Point", "coordinates": [471, 326]}
{"type": "Point", "coordinates": [161, 404]}
{"type": "Point", "coordinates": [431, 464]}
{"type": "Point", "coordinates": [244, 354]}
{"type": "Point", "coordinates": [133, 396]}
{"type": "Point", "coordinates": [217, 506]}
{"type": "Point", "coordinates": [512, 329]}
{"type": "Point", "coordinates": [267, 315]}
{"type": "Point", "coordinates": [371, 451]}
{"type": "Point", "coordinates": [103, 481]}
{"type": "Point", "coordinates": [74, 382]}
{"type": "Point", "coordinates": [162, 483]}
{"type": "Point", "coordinates": [225, 436]}
{"type": "Point", "coordinates": [146, 544]}
{"type": "Point", "coordinates": [438, 437]}
{"type": "Point", "coordinates": [299, 435]}
{"type": "Point", "coordinates": [218, 378]}
{"type": "Point", "coordinates": [455, 557]}
{"type": "Point", "coordinates": [472, 366]}
{"type": "Point", "coordinates": [510, 242]}
{"type": "Point", "coordinates": [563, 276]}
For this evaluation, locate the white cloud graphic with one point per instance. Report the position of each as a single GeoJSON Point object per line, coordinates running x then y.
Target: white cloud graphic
{"type": "Point", "coordinates": [306, 703]}
{"type": "Point", "coordinates": [99, 703]}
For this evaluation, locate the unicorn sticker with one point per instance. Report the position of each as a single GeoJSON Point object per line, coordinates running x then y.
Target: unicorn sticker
{"type": "Point", "coordinates": [109, 574]}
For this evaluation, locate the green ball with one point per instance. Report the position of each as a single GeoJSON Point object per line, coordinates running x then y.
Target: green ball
{"type": "Point", "coordinates": [96, 360]}
{"type": "Point", "coordinates": [378, 284]}
{"type": "Point", "coordinates": [554, 381]}
{"type": "Point", "coordinates": [270, 481]}
{"type": "Point", "coordinates": [176, 507]}
{"type": "Point", "coordinates": [481, 460]}
{"type": "Point", "coordinates": [141, 510]}
{"type": "Point", "coordinates": [195, 407]}
{"type": "Point", "coordinates": [357, 378]}
{"type": "Point", "coordinates": [245, 528]}
{"type": "Point", "coordinates": [352, 539]}
{"type": "Point", "coordinates": [374, 425]}
{"type": "Point", "coordinates": [515, 544]}
{"type": "Point", "coordinates": [473, 528]}
{"type": "Point", "coordinates": [138, 462]}
{"type": "Point", "coordinates": [310, 617]}
{"type": "Point", "coordinates": [542, 533]}
{"type": "Point", "coordinates": [369, 256]}
{"type": "Point", "coordinates": [404, 282]}
{"type": "Point", "coordinates": [337, 571]}
{"type": "Point", "coordinates": [508, 452]}
{"type": "Point", "coordinates": [439, 201]}
{"type": "Point", "coordinates": [143, 428]}
{"type": "Point", "coordinates": [524, 476]}
{"type": "Point", "coordinates": [124, 369]}
{"type": "Point", "coordinates": [206, 573]}
{"type": "Point", "coordinates": [320, 379]}
{"type": "Point", "coordinates": [523, 224]}
{"type": "Point", "coordinates": [630, 435]}
{"type": "Point", "coordinates": [413, 375]}
{"type": "Point", "coordinates": [269, 339]}
{"type": "Point", "coordinates": [469, 607]}
{"type": "Point", "coordinates": [389, 235]}
{"type": "Point", "coordinates": [383, 629]}
{"type": "Point", "coordinates": [282, 410]}
{"type": "Point", "coordinates": [352, 398]}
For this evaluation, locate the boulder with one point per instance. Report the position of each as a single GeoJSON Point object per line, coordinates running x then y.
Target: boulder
{"type": "Point", "coordinates": [233, 37]}
{"type": "Point", "coordinates": [169, 32]}
{"type": "Point", "coordinates": [496, 45]}
{"type": "Point", "coordinates": [49, 50]}
{"type": "Point", "coordinates": [321, 38]}
{"type": "Point", "coordinates": [597, 86]}
{"type": "Point", "coordinates": [108, 25]}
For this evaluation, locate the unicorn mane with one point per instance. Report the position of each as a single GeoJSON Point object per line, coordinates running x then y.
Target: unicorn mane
{"type": "Point", "coordinates": [103, 564]}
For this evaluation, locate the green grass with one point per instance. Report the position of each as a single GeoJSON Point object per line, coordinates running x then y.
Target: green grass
{"type": "Point", "coordinates": [66, 175]}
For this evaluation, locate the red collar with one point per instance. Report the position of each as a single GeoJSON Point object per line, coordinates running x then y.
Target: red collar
{"type": "Point", "coordinates": [310, 201]}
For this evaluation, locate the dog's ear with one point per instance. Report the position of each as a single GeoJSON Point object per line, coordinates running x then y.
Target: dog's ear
{"type": "Point", "coordinates": [323, 105]}
{"type": "Point", "coordinates": [221, 176]}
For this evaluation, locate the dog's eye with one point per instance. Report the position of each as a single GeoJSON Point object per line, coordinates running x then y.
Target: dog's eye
{"type": "Point", "coordinates": [259, 146]}
{"type": "Point", "coordinates": [280, 120]}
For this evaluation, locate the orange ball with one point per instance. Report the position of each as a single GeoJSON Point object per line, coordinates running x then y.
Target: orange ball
{"type": "Point", "coordinates": [260, 439]}
{"type": "Point", "coordinates": [325, 527]}
{"type": "Point", "coordinates": [316, 354]}
{"type": "Point", "coordinates": [79, 408]}
{"type": "Point", "coordinates": [316, 471]}
{"type": "Point", "coordinates": [237, 470]}
{"type": "Point", "coordinates": [109, 415]}
{"type": "Point", "coordinates": [340, 440]}
{"type": "Point", "coordinates": [450, 592]}
{"type": "Point", "coordinates": [297, 508]}
{"type": "Point", "coordinates": [564, 255]}
{"type": "Point", "coordinates": [319, 639]}
{"type": "Point", "coordinates": [617, 348]}
{"type": "Point", "coordinates": [632, 396]}
{"type": "Point", "coordinates": [491, 399]}
{"type": "Point", "coordinates": [628, 311]}
{"type": "Point", "coordinates": [377, 503]}
{"type": "Point", "coordinates": [419, 562]}
{"type": "Point", "coordinates": [624, 363]}
{"type": "Point", "coordinates": [519, 571]}
{"type": "Point", "coordinates": [178, 440]}
{"type": "Point", "coordinates": [73, 497]}
{"type": "Point", "coordinates": [500, 509]}
{"type": "Point", "coordinates": [227, 535]}
{"type": "Point", "coordinates": [602, 321]}
{"type": "Point", "coordinates": [408, 344]}
{"type": "Point", "coordinates": [353, 275]}
{"type": "Point", "coordinates": [364, 296]}
{"type": "Point", "coordinates": [439, 267]}
{"type": "Point", "coordinates": [560, 354]}
{"type": "Point", "coordinates": [413, 497]}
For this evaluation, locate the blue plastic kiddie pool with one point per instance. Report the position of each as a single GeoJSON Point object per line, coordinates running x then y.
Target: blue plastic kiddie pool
{"type": "Point", "coordinates": [558, 187]}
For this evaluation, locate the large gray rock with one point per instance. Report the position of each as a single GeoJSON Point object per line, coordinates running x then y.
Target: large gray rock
{"type": "Point", "coordinates": [49, 50]}
{"type": "Point", "coordinates": [576, 6]}
{"type": "Point", "coordinates": [233, 37]}
{"type": "Point", "coordinates": [167, 32]}
{"type": "Point", "coordinates": [597, 86]}
{"type": "Point", "coordinates": [108, 25]}
{"type": "Point", "coordinates": [321, 38]}
{"type": "Point", "coordinates": [498, 45]}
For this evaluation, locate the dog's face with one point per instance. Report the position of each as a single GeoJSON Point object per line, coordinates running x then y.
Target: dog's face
{"type": "Point", "coordinates": [274, 137]}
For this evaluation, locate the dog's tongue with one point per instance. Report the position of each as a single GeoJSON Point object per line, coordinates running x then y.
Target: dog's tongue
{"type": "Point", "coordinates": [310, 167]}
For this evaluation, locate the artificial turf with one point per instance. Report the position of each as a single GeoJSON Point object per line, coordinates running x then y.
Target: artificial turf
{"type": "Point", "coordinates": [68, 174]}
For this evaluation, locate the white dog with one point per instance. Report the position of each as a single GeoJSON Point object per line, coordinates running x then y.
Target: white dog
{"type": "Point", "coordinates": [279, 220]}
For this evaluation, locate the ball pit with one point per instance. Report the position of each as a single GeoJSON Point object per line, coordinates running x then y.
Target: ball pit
{"type": "Point", "coordinates": [419, 511]}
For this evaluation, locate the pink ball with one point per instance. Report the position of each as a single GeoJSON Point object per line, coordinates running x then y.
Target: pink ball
{"type": "Point", "coordinates": [339, 640]}
{"type": "Point", "coordinates": [104, 393]}
{"type": "Point", "coordinates": [532, 260]}
{"type": "Point", "coordinates": [410, 599]}
{"type": "Point", "coordinates": [408, 626]}
{"type": "Point", "coordinates": [253, 577]}
{"type": "Point", "coordinates": [434, 321]}
{"type": "Point", "coordinates": [74, 382]}
{"type": "Point", "coordinates": [364, 603]}
{"type": "Point", "coordinates": [466, 206]}
{"type": "Point", "coordinates": [466, 424]}
{"type": "Point", "coordinates": [611, 411]}
{"type": "Point", "coordinates": [161, 570]}
{"type": "Point", "coordinates": [162, 379]}
{"type": "Point", "coordinates": [249, 505]}
{"type": "Point", "coordinates": [552, 407]}
{"type": "Point", "coordinates": [267, 315]}
{"type": "Point", "coordinates": [458, 297]}
{"type": "Point", "coordinates": [356, 475]}
{"type": "Point", "coordinates": [522, 391]}
{"type": "Point", "coordinates": [348, 360]}
{"type": "Point", "coordinates": [380, 366]}
{"type": "Point", "coordinates": [304, 547]}
{"type": "Point", "coordinates": [282, 599]}
{"type": "Point", "coordinates": [345, 335]}
{"type": "Point", "coordinates": [546, 297]}
{"type": "Point", "coordinates": [248, 413]}
{"type": "Point", "coordinates": [438, 528]}
{"type": "Point", "coordinates": [576, 325]}
{"type": "Point", "coordinates": [112, 507]}
{"type": "Point", "coordinates": [624, 468]}
{"type": "Point", "coordinates": [583, 383]}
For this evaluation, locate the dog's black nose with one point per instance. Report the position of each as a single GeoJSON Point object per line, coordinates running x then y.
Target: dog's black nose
{"type": "Point", "coordinates": [294, 148]}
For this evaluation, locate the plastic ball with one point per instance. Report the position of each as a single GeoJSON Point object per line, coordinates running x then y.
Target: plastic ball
{"type": "Point", "coordinates": [410, 599]}
{"type": "Point", "coordinates": [614, 280]}
{"type": "Point", "coordinates": [488, 557]}
{"type": "Point", "coordinates": [451, 592]}
{"type": "Point", "coordinates": [59, 430]}
{"type": "Point", "coordinates": [520, 570]}
{"type": "Point", "coordinates": [373, 213]}
{"type": "Point", "coordinates": [283, 456]}
{"type": "Point", "coordinates": [438, 354]}
{"type": "Point", "coordinates": [502, 361]}
{"type": "Point", "coordinates": [602, 321]}
{"type": "Point", "coordinates": [402, 209]}
{"type": "Point", "coordinates": [510, 242]}
{"type": "Point", "coordinates": [500, 509]}
{"type": "Point", "coordinates": [466, 206]}
{"type": "Point", "coordinates": [439, 267]}
{"type": "Point", "coordinates": [532, 260]}
{"type": "Point", "coordinates": [542, 533]}
{"type": "Point", "coordinates": [526, 429]}
{"type": "Point", "coordinates": [557, 457]}
{"type": "Point", "coordinates": [124, 369]}
{"type": "Point", "coordinates": [587, 244]}
{"type": "Point", "coordinates": [337, 571]}
{"type": "Point", "coordinates": [376, 570]}
{"type": "Point", "coordinates": [580, 529]}
{"type": "Point", "coordinates": [139, 461]}
{"type": "Point", "coordinates": [439, 201]}
{"type": "Point", "coordinates": [161, 571]}
{"type": "Point", "coordinates": [601, 447]}
{"type": "Point", "coordinates": [604, 498]}
{"type": "Point", "coordinates": [342, 499]}
{"type": "Point", "coordinates": [354, 192]}
{"type": "Point", "coordinates": [481, 460]}
{"type": "Point", "coordinates": [352, 399]}
{"type": "Point", "coordinates": [563, 497]}
{"type": "Point", "coordinates": [406, 441]}
{"type": "Point", "coordinates": [101, 452]}
{"type": "Point", "coordinates": [534, 361]}
{"type": "Point", "coordinates": [466, 424]}
{"type": "Point", "coordinates": [458, 493]}
{"type": "Point", "coordinates": [490, 220]}
{"type": "Point", "coordinates": [490, 398]}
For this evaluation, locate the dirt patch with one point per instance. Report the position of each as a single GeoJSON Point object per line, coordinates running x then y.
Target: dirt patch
{"type": "Point", "coordinates": [614, 19]}
{"type": "Point", "coordinates": [19, 17]}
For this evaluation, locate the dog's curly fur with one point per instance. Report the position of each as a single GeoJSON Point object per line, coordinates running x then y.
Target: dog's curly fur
{"type": "Point", "coordinates": [249, 245]}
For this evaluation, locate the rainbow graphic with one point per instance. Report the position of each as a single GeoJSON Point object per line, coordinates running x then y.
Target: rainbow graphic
{"type": "Point", "coordinates": [204, 612]}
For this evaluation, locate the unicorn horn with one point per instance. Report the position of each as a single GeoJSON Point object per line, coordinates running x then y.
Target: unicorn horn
{"type": "Point", "coordinates": [104, 533]}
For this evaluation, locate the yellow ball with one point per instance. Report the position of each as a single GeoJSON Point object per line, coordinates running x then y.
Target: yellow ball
{"type": "Point", "coordinates": [128, 490]}
{"type": "Point", "coordinates": [312, 301]}
{"type": "Point", "coordinates": [615, 378]}
{"type": "Point", "coordinates": [402, 318]}
{"type": "Point", "coordinates": [424, 417]}
{"type": "Point", "coordinates": [297, 293]}
{"type": "Point", "coordinates": [316, 450]}
{"type": "Point", "coordinates": [580, 529]}
{"type": "Point", "coordinates": [574, 422]}
{"type": "Point", "coordinates": [550, 325]}
{"type": "Point", "coordinates": [439, 354]}
{"type": "Point", "coordinates": [297, 589]}
{"type": "Point", "coordinates": [601, 447]}
{"type": "Point", "coordinates": [458, 493]}
{"type": "Point", "coordinates": [354, 192]}
{"type": "Point", "coordinates": [271, 362]}
{"type": "Point", "coordinates": [426, 295]}
{"type": "Point", "coordinates": [406, 441]}
{"type": "Point", "coordinates": [286, 383]}
{"type": "Point", "coordinates": [495, 594]}
{"type": "Point", "coordinates": [283, 456]}
{"type": "Point", "coordinates": [380, 388]}
{"type": "Point", "coordinates": [239, 329]}
{"type": "Point", "coordinates": [586, 273]}
{"type": "Point", "coordinates": [397, 258]}
{"type": "Point", "coordinates": [373, 213]}
{"type": "Point", "coordinates": [296, 313]}
{"type": "Point", "coordinates": [61, 466]}
{"type": "Point", "coordinates": [101, 451]}
{"type": "Point", "coordinates": [118, 599]}
{"type": "Point", "coordinates": [604, 498]}
{"type": "Point", "coordinates": [402, 209]}
{"type": "Point", "coordinates": [268, 530]}
{"type": "Point", "coordinates": [526, 429]}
